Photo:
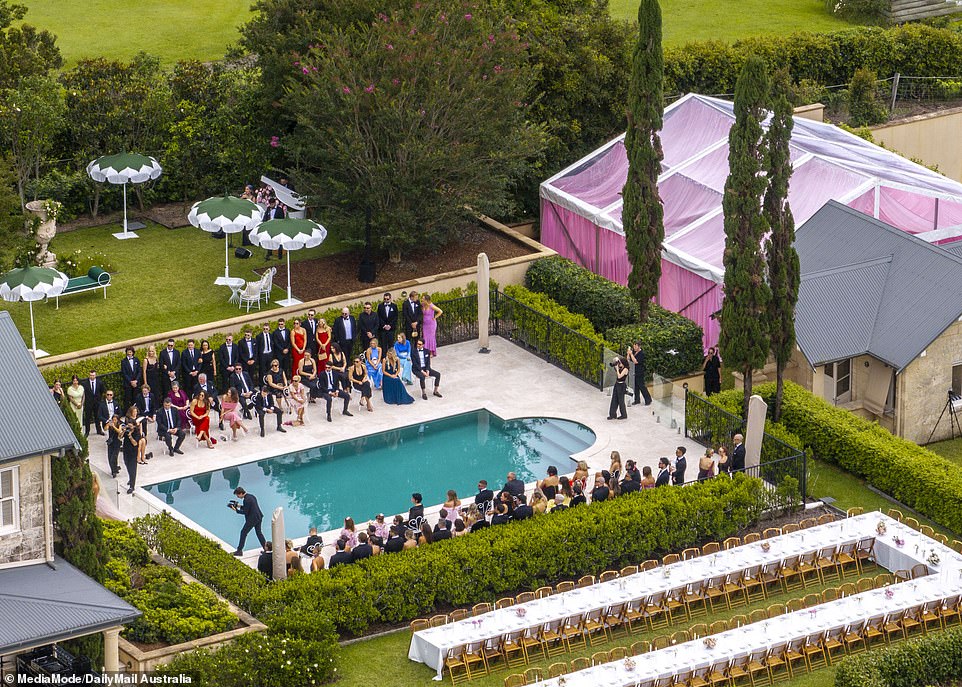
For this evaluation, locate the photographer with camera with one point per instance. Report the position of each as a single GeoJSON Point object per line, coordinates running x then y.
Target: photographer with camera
{"type": "Point", "coordinates": [253, 517]}
{"type": "Point", "coordinates": [619, 390]}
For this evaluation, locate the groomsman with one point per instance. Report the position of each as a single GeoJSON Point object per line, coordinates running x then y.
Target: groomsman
{"type": "Point", "coordinates": [168, 426]}
{"type": "Point", "coordinates": [169, 366]}
{"type": "Point", "coordinates": [248, 355]}
{"type": "Point", "coordinates": [230, 358]}
{"type": "Point", "coordinates": [345, 331]}
{"type": "Point", "coordinates": [412, 317]}
{"type": "Point", "coordinates": [310, 324]}
{"type": "Point", "coordinates": [282, 346]}
{"type": "Point", "coordinates": [130, 370]}
{"type": "Point", "coordinates": [189, 366]}
{"type": "Point", "coordinates": [368, 325]}
{"type": "Point", "coordinates": [93, 390]}
{"type": "Point", "coordinates": [387, 321]}
{"type": "Point", "coordinates": [266, 350]}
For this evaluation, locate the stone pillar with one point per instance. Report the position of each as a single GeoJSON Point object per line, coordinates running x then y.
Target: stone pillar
{"type": "Point", "coordinates": [112, 650]}
{"type": "Point", "coordinates": [484, 300]}
{"type": "Point", "coordinates": [757, 409]}
{"type": "Point", "coordinates": [279, 553]}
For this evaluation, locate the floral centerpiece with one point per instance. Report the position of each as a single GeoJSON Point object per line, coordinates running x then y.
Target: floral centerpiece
{"type": "Point", "coordinates": [667, 572]}
{"type": "Point", "coordinates": [521, 611]}
{"type": "Point", "coordinates": [561, 681]}
{"type": "Point", "coordinates": [710, 642]}
{"type": "Point", "coordinates": [766, 547]}
{"type": "Point", "coordinates": [933, 558]}
{"type": "Point", "coordinates": [889, 593]}
{"type": "Point", "coordinates": [880, 527]}
{"type": "Point", "coordinates": [629, 664]}
{"type": "Point", "coordinates": [899, 542]}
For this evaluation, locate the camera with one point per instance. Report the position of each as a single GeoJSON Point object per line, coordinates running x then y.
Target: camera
{"type": "Point", "coordinates": [232, 504]}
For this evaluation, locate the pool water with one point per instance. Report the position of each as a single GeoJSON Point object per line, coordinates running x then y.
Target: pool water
{"type": "Point", "coordinates": [377, 473]}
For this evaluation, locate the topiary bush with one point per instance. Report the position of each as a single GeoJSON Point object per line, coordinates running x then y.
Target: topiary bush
{"type": "Point", "coordinates": [672, 343]}
{"type": "Point", "coordinates": [934, 659]}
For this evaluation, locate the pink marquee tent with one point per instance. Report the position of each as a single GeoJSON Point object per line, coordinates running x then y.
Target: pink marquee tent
{"type": "Point", "coordinates": [581, 205]}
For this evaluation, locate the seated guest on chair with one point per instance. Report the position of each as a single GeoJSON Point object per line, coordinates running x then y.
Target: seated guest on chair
{"type": "Point", "coordinates": [523, 510]}
{"type": "Point", "coordinates": [600, 491]}
{"type": "Point", "coordinates": [514, 486]}
{"type": "Point", "coordinates": [664, 475]}
{"type": "Point", "coordinates": [444, 532]}
{"type": "Point", "coordinates": [331, 385]}
{"type": "Point", "coordinates": [421, 369]}
{"type": "Point", "coordinates": [579, 495]}
{"type": "Point", "coordinates": [205, 385]}
{"type": "Point", "coordinates": [395, 542]}
{"type": "Point", "coordinates": [265, 405]}
{"type": "Point", "coordinates": [146, 403]}
{"type": "Point", "coordinates": [363, 548]}
{"type": "Point", "coordinates": [170, 429]}
{"type": "Point", "coordinates": [484, 494]}
{"type": "Point", "coordinates": [241, 382]}
{"type": "Point", "coordinates": [340, 557]}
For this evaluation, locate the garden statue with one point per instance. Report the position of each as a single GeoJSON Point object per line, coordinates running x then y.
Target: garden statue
{"type": "Point", "coordinates": [45, 214]}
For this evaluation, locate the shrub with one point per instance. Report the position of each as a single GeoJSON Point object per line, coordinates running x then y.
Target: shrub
{"type": "Point", "coordinates": [672, 343]}
{"type": "Point", "coordinates": [931, 660]}
{"type": "Point", "coordinates": [864, 108]}
{"type": "Point", "coordinates": [866, 11]}
{"type": "Point", "coordinates": [122, 542]}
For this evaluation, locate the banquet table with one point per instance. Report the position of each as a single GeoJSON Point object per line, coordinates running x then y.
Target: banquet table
{"type": "Point", "coordinates": [430, 646]}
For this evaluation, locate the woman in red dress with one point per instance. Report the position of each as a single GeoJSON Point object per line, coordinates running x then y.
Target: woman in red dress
{"type": "Point", "coordinates": [323, 344]}
{"type": "Point", "coordinates": [298, 345]}
{"type": "Point", "coordinates": [200, 416]}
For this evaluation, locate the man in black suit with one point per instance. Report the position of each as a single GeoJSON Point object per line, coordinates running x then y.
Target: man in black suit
{"type": "Point", "coordinates": [681, 464]}
{"type": "Point", "coordinates": [484, 494]}
{"type": "Point", "coordinates": [417, 508]}
{"type": "Point", "coordinates": [114, 443]}
{"type": "Point", "coordinates": [333, 386]}
{"type": "Point", "coordinates": [107, 409]}
{"type": "Point", "coordinates": [387, 315]}
{"type": "Point", "coordinates": [265, 562]}
{"type": "Point", "coordinates": [264, 404]}
{"type": "Point", "coordinates": [514, 486]}
{"type": "Point", "coordinates": [344, 332]}
{"type": "Point", "coordinates": [248, 355]}
{"type": "Point", "coordinates": [412, 316]}
{"type": "Point", "coordinates": [93, 392]}
{"type": "Point", "coordinates": [265, 350]}
{"type": "Point", "coordinates": [368, 326]}
{"type": "Point", "coordinates": [131, 371]}
{"type": "Point", "coordinates": [310, 324]}
{"type": "Point", "coordinates": [147, 404]}
{"type": "Point", "coordinates": [738, 454]}
{"type": "Point", "coordinates": [443, 530]}
{"type": "Point", "coordinates": [629, 484]}
{"type": "Point", "coordinates": [500, 516]}
{"type": "Point", "coordinates": [523, 511]}
{"type": "Point", "coordinates": [421, 368]}
{"type": "Point", "coordinates": [664, 477]}
{"type": "Point", "coordinates": [242, 384]}
{"type": "Point", "coordinates": [395, 541]}
{"type": "Point", "coordinates": [601, 492]}
{"type": "Point", "coordinates": [282, 346]}
{"type": "Point", "coordinates": [168, 426]}
{"type": "Point", "coordinates": [340, 557]}
{"type": "Point", "coordinates": [363, 549]}
{"type": "Point", "coordinates": [275, 210]}
{"type": "Point", "coordinates": [189, 366]}
{"type": "Point", "coordinates": [230, 357]}
{"type": "Point", "coordinates": [636, 357]}
{"type": "Point", "coordinates": [169, 366]}
{"type": "Point", "coordinates": [253, 517]}
{"type": "Point", "coordinates": [207, 386]}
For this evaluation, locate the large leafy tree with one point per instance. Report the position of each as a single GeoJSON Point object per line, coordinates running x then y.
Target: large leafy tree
{"type": "Point", "coordinates": [24, 51]}
{"type": "Point", "coordinates": [642, 215]}
{"type": "Point", "coordinates": [420, 116]}
{"type": "Point", "coordinates": [783, 266]}
{"type": "Point", "coordinates": [16, 242]}
{"type": "Point", "coordinates": [744, 327]}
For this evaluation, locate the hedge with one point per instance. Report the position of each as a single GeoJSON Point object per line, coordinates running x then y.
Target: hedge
{"type": "Point", "coordinates": [934, 659]}
{"type": "Point", "coordinates": [712, 67]}
{"type": "Point", "coordinates": [917, 477]}
{"type": "Point", "coordinates": [396, 588]}
{"type": "Point", "coordinates": [611, 309]}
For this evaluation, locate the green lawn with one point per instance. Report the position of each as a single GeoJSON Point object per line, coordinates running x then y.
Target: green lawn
{"type": "Point", "coordinates": [164, 280]}
{"type": "Point", "coordinates": [364, 663]}
{"type": "Point", "coordinates": [171, 29]}
{"type": "Point", "coordinates": [950, 449]}
{"type": "Point", "coordinates": [685, 21]}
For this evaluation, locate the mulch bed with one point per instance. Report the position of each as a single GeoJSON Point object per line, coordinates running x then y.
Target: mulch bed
{"type": "Point", "coordinates": [334, 274]}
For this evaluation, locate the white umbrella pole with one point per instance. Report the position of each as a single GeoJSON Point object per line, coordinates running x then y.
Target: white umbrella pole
{"type": "Point", "coordinates": [226, 258]}
{"type": "Point", "coordinates": [290, 300]}
{"type": "Point", "coordinates": [33, 336]}
{"type": "Point", "coordinates": [125, 234]}
{"type": "Point", "coordinates": [125, 207]}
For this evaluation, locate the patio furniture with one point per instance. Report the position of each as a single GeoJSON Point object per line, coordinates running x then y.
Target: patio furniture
{"type": "Point", "coordinates": [96, 278]}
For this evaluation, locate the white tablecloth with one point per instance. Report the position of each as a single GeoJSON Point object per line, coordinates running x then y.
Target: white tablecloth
{"type": "Point", "coordinates": [430, 646]}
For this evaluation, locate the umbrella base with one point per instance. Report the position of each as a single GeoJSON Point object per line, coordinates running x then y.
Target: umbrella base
{"type": "Point", "coordinates": [125, 235]}
{"type": "Point", "coordinates": [288, 302]}
{"type": "Point", "coordinates": [39, 353]}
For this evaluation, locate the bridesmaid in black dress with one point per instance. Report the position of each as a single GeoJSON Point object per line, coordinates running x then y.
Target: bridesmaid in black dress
{"type": "Point", "coordinates": [206, 363]}
{"type": "Point", "coordinates": [151, 370]}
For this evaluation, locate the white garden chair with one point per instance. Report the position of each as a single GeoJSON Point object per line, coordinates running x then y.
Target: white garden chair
{"type": "Point", "coordinates": [251, 295]}
{"type": "Point", "coordinates": [267, 283]}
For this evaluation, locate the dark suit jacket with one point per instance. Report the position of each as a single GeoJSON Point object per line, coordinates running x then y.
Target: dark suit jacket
{"type": "Point", "coordinates": [412, 312]}
{"type": "Point", "coordinates": [103, 414]}
{"type": "Point", "coordinates": [442, 534]}
{"type": "Point", "coordinates": [189, 362]}
{"type": "Point", "coordinates": [169, 361]}
{"type": "Point", "coordinates": [265, 357]}
{"type": "Point", "coordinates": [235, 381]}
{"type": "Point", "coordinates": [681, 464]}
{"type": "Point", "coordinates": [387, 315]}
{"type": "Point", "coordinates": [147, 409]}
{"type": "Point", "coordinates": [369, 323]}
{"type": "Point", "coordinates": [325, 388]}
{"type": "Point", "coordinates": [248, 352]}
{"type": "Point", "coordinates": [663, 478]}
{"type": "Point", "coordinates": [522, 512]}
{"type": "Point", "coordinates": [483, 496]}
{"type": "Point", "coordinates": [738, 457]}
{"type": "Point", "coordinates": [340, 558]}
{"type": "Point", "coordinates": [229, 360]}
{"type": "Point", "coordinates": [282, 340]}
{"type": "Point", "coordinates": [162, 426]}
{"type": "Point", "coordinates": [338, 329]}
{"type": "Point", "coordinates": [265, 403]}
{"type": "Point", "coordinates": [92, 396]}
{"type": "Point", "coordinates": [416, 366]}
{"type": "Point", "coordinates": [361, 551]}
{"type": "Point", "coordinates": [251, 510]}
{"type": "Point", "coordinates": [211, 392]}
{"type": "Point", "coordinates": [130, 370]}
{"type": "Point", "coordinates": [514, 487]}
{"type": "Point", "coordinates": [311, 327]}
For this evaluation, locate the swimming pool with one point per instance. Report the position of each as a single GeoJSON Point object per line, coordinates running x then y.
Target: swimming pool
{"type": "Point", "coordinates": [377, 473]}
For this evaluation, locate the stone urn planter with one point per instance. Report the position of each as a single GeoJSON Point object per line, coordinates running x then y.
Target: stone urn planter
{"type": "Point", "coordinates": [45, 211]}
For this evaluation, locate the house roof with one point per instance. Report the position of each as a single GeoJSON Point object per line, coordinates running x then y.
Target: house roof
{"type": "Point", "coordinates": [47, 604]}
{"type": "Point", "coordinates": [870, 288]}
{"type": "Point", "coordinates": [30, 421]}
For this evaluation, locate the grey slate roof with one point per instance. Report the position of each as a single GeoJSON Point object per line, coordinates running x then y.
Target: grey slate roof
{"type": "Point", "coordinates": [40, 605]}
{"type": "Point", "coordinates": [868, 287]}
{"type": "Point", "coordinates": [30, 421]}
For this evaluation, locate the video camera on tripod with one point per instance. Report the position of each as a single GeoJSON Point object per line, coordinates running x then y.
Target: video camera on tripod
{"type": "Point", "coordinates": [953, 405]}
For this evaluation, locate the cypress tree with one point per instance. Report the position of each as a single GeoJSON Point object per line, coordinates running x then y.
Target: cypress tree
{"type": "Point", "coordinates": [642, 213]}
{"type": "Point", "coordinates": [783, 267]}
{"type": "Point", "coordinates": [744, 329]}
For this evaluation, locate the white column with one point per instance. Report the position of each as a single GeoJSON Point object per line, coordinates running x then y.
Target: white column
{"type": "Point", "coordinates": [757, 408]}
{"type": "Point", "coordinates": [279, 553]}
{"type": "Point", "coordinates": [484, 300]}
{"type": "Point", "coordinates": [112, 650]}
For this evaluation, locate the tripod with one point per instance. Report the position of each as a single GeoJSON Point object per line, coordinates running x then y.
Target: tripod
{"type": "Point", "coordinates": [950, 406]}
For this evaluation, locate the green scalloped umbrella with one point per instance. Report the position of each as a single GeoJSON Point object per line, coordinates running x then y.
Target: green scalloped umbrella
{"type": "Point", "coordinates": [289, 234]}
{"type": "Point", "coordinates": [228, 214]}
{"type": "Point", "coordinates": [32, 284]}
{"type": "Point", "coordinates": [124, 168]}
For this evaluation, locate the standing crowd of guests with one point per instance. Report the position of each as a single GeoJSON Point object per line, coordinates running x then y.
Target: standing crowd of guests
{"type": "Point", "coordinates": [273, 376]}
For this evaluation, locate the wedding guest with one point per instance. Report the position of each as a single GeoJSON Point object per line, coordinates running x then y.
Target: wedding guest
{"type": "Point", "coordinates": [387, 315]}
{"type": "Point", "coordinates": [180, 401]}
{"type": "Point", "coordinates": [452, 505]}
{"type": "Point", "coordinates": [200, 417]}
{"type": "Point", "coordinates": [337, 362]}
{"type": "Point", "coordinates": [297, 394]}
{"type": "Point", "coordinates": [411, 311]}
{"type": "Point", "coordinates": [394, 392]}
{"type": "Point", "coordinates": [323, 343]}
{"type": "Point", "coordinates": [131, 371]}
{"type": "Point", "coordinates": [170, 429]}
{"type": "Point", "coordinates": [298, 345]}
{"type": "Point", "coordinates": [341, 556]}
{"type": "Point", "coordinates": [427, 536]}
{"type": "Point", "coordinates": [207, 361]}
{"type": "Point", "coordinates": [409, 541]}
{"type": "Point", "coordinates": [331, 385]}
{"type": "Point", "coordinates": [579, 496]}
{"type": "Point", "coordinates": [539, 503]}
{"type": "Point", "coordinates": [368, 325]}
{"type": "Point", "coordinates": [317, 560]}
{"type": "Point", "coordinates": [349, 533]}
{"type": "Point", "coordinates": [724, 463]}
{"type": "Point", "coordinates": [93, 392]}
{"type": "Point", "coordinates": [131, 447]}
{"type": "Point", "coordinates": [231, 412]}
{"type": "Point", "coordinates": [374, 364]}
{"type": "Point", "coordinates": [75, 398]}
{"type": "Point", "coordinates": [151, 370]}
{"type": "Point", "coordinates": [549, 485]}
{"type": "Point", "coordinates": [307, 371]}
{"type": "Point", "coordinates": [265, 405]}
{"type": "Point", "coordinates": [421, 368]}
{"type": "Point", "coordinates": [711, 366]}
{"type": "Point", "coordinates": [664, 475]}
{"type": "Point", "coordinates": [115, 440]}
{"type": "Point", "coordinates": [647, 481]}
{"type": "Point", "coordinates": [429, 326]}
{"type": "Point", "coordinates": [357, 376]}
{"type": "Point", "coordinates": [345, 332]}
{"type": "Point", "coordinates": [381, 528]}
{"type": "Point", "coordinates": [402, 348]}
{"type": "Point", "coordinates": [706, 465]}
{"type": "Point", "coordinates": [601, 491]}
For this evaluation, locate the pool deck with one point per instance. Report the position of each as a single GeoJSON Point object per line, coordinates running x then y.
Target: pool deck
{"type": "Point", "coordinates": [509, 382]}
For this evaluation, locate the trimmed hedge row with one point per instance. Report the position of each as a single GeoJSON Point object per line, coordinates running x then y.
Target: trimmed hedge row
{"type": "Point", "coordinates": [612, 310]}
{"type": "Point", "coordinates": [826, 58]}
{"type": "Point", "coordinates": [480, 567]}
{"type": "Point", "coordinates": [931, 660]}
{"type": "Point", "coordinates": [919, 478]}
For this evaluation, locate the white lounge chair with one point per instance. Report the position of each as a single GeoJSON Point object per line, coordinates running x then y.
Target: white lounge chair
{"type": "Point", "coordinates": [251, 295]}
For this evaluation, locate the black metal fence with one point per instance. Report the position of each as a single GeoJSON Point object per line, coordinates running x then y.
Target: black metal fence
{"type": "Point", "coordinates": [711, 425]}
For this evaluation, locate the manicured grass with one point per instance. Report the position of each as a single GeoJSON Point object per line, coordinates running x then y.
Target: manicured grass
{"type": "Point", "coordinates": [684, 21]}
{"type": "Point", "coordinates": [364, 663]}
{"type": "Point", "coordinates": [171, 29]}
{"type": "Point", "coordinates": [951, 449]}
{"type": "Point", "coordinates": [162, 281]}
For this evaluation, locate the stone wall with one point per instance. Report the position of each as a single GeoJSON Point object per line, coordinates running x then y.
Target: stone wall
{"type": "Point", "coordinates": [924, 383]}
{"type": "Point", "coordinates": [932, 138]}
{"type": "Point", "coordinates": [28, 543]}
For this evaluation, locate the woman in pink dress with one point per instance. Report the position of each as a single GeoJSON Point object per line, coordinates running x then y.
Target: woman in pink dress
{"type": "Point", "coordinates": [429, 327]}
{"type": "Point", "coordinates": [229, 403]}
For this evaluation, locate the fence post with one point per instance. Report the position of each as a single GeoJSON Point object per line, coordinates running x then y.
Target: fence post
{"type": "Point", "coordinates": [804, 479]}
{"type": "Point", "coordinates": [685, 385]}
{"type": "Point", "coordinates": [895, 91]}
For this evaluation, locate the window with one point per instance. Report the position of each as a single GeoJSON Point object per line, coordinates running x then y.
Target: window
{"type": "Point", "coordinates": [838, 383]}
{"type": "Point", "coordinates": [9, 501]}
{"type": "Point", "coordinates": [957, 379]}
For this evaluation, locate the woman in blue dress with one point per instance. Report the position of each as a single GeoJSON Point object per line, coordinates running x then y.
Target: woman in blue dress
{"type": "Point", "coordinates": [372, 358]}
{"type": "Point", "coordinates": [403, 350]}
{"type": "Point", "coordinates": [394, 391]}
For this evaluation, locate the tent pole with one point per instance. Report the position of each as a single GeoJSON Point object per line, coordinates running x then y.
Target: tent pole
{"type": "Point", "coordinates": [33, 336]}
{"type": "Point", "coordinates": [125, 207]}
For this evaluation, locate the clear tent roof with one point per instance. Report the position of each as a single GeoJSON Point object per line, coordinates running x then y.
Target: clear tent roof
{"type": "Point", "coordinates": [829, 163]}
